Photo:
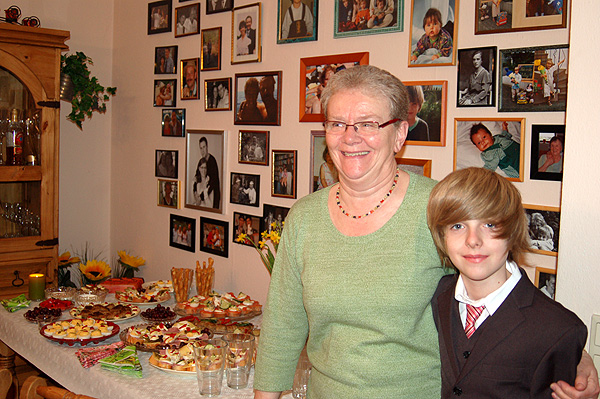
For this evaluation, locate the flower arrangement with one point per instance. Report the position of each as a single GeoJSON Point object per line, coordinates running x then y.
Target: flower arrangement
{"type": "Point", "coordinates": [65, 261]}
{"type": "Point", "coordinates": [94, 271]}
{"type": "Point", "coordinates": [128, 264]}
{"type": "Point", "coordinates": [270, 238]}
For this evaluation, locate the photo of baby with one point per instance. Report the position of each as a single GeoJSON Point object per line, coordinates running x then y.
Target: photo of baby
{"type": "Point", "coordinates": [432, 33]}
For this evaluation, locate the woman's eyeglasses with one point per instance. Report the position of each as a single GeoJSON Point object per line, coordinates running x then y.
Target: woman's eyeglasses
{"type": "Point", "coordinates": [365, 128]}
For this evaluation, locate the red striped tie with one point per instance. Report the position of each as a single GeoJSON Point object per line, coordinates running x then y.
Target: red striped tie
{"type": "Point", "coordinates": [473, 313]}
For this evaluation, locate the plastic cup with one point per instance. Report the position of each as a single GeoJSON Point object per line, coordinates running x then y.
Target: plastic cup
{"type": "Point", "coordinates": [209, 356]}
{"type": "Point", "coordinates": [240, 350]}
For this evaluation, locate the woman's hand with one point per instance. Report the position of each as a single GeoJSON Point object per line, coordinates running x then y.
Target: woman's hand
{"type": "Point", "coordinates": [550, 160]}
{"type": "Point", "coordinates": [586, 383]}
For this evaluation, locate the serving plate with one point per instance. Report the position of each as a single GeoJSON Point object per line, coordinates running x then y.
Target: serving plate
{"type": "Point", "coordinates": [183, 312]}
{"type": "Point", "coordinates": [143, 346]}
{"type": "Point", "coordinates": [82, 342]}
{"type": "Point", "coordinates": [160, 284]}
{"type": "Point", "coordinates": [180, 372]}
{"type": "Point", "coordinates": [134, 311]}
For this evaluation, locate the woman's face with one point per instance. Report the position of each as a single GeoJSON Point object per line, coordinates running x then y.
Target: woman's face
{"type": "Point", "coordinates": [203, 170]}
{"type": "Point", "coordinates": [556, 148]}
{"type": "Point", "coordinates": [356, 157]}
{"type": "Point", "coordinates": [477, 60]}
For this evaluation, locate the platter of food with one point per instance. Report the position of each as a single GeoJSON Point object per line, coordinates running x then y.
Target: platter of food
{"type": "Point", "coordinates": [216, 306]}
{"type": "Point", "coordinates": [223, 326]}
{"type": "Point", "coordinates": [159, 285]}
{"type": "Point", "coordinates": [168, 370]}
{"type": "Point", "coordinates": [106, 311]}
{"type": "Point", "coordinates": [54, 303]}
{"type": "Point", "coordinates": [79, 331]}
{"type": "Point", "coordinates": [143, 297]}
{"type": "Point", "coordinates": [152, 337]}
{"type": "Point", "coordinates": [158, 314]}
{"type": "Point", "coordinates": [32, 315]}
{"type": "Point", "coordinates": [179, 361]}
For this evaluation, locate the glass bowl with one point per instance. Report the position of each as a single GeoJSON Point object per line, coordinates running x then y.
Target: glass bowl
{"type": "Point", "coordinates": [84, 298]}
{"type": "Point", "coordinates": [100, 292]}
{"type": "Point", "coordinates": [62, 293]}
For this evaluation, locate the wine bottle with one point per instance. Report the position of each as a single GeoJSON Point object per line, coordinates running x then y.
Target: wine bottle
{"type": "Point", "coordinates": [14, 140]}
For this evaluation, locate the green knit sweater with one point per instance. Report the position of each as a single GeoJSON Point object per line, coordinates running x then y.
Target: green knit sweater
{"type": "Point", "coordinates": [365, 301]}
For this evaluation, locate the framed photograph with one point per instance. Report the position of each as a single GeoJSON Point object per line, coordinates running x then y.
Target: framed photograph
{"type": "Point", "coordinates": [173, 122]}
{"type": "Point", "coordinates": [283, 173]}
{"type": "Point", "coordinates": [533, 79]}
{"type": "Point", "coordinates": [427, 113]}
{"type": "Point", "coordinates": [249, 110]}
{"type": "Point", "coordinates": [314, 74]}
{"type": "Point", "coordinates": [217, 94]}
{"type": "Point", "coordinates": [215, 6]}
{"type": "Point", "coordinates": [545, 280]}
{"type": "Point", "coordinates": [187, 20]}
{"type": "Point", "coordinates": [246, 34]}
{"type": "Point", "coordinates": [253, 147]}
{"type": "Point", "coordinates": [433, 33]}
{"type": "Point", "coordinates": [246, 224]}
{"type": "Point", "coordinates": [273, 214]}
{"type": "Point", "coordinates": [493, 143]}
{"type": "Point", "coordinates": [189, 77]}
{"type": "Point", "coordinates": [182, 233]}
{"type": "Point", "coordinates": [322, 170]}
{"type": "Point", "coordinates": [547, 152]}
{"type": "Point", "coordinates": [166, 163]}
{"type": "Point", "coordinates": [476, 79]}
{"type": "Point", "coordinates": [245, 189]}
{"type": "Point", "coordinates": [159, 17]}
{"type": "Point", "coordinates": [211, 49]}
{"type": "Point", "coordinates": [165, 60]}
{"type": "Point", "coordinates": [493, 16]}
{"type": "Point", "coordinates": [168, 193]}
{"type": "Point", "coordinates": [165, 92]}
{"type": "Point", "coordinates": [370, 18]}
{"type": "Point", "coordinates": [204, 170]}
{"type": "Point", "coordinates": [297, 21]}
{"type": "Point", "coordinates": [417, 166]}
{"type": "Point", "coordinates": [544, 228]}
{"type": "Point", "coordinates": [214, 237]}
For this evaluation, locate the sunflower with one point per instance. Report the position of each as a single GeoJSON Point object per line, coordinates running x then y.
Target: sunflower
{"type": "Point", "coordinates": [130, 261]}
{"type": "Point", "coordinates": [95, 270]}
{"type": "Point", "coordinates": [65, 259]}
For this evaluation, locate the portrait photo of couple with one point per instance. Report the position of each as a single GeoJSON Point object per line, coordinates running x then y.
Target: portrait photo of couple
{"type": "Point", "coordinates": [204, 170]}
{"type": "Point", "coordinates": [258, 99]}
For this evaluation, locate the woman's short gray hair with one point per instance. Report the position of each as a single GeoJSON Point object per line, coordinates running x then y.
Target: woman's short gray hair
{"type": "Point", "coordinates": [371, 81]}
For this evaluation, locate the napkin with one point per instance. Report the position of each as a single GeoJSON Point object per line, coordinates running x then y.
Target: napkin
{"type": "Point", "coordinates": [14, 304]}
{"type": "Point", "coordinates": [125, 361]}
{"type": "Point", "coordinates": [90, 356]}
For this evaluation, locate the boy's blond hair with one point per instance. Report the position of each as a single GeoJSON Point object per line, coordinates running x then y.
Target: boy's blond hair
{"type": "Point", "coordinates": [478, 193]}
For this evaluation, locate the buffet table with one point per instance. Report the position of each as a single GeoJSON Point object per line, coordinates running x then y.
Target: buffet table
{"type": "Point", "coordinates": [60, 363]}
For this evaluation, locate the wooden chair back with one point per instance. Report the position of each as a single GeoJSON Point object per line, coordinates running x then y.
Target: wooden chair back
{"type": "Point", "coordinates": [6, 379]}
{"type": "Point", "coordinates": [35, 387]}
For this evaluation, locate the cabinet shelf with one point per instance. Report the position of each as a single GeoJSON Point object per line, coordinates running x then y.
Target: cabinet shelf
{"type": "Point", "coordinates": [20, 173]}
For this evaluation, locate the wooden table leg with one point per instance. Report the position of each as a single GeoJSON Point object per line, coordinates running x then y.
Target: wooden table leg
{"type": "Point", "coordinates": [7, 361]}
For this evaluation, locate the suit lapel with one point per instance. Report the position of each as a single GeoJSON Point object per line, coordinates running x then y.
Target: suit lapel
{"type": "Point", "coordinates": [444, 302]}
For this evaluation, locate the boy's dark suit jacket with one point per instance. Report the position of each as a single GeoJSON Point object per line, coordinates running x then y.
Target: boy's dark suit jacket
{"type": "Point", "coordinates": [529, 342]}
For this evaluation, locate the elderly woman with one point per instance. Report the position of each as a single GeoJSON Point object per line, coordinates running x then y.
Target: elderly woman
{"type": "Point", "coordinates": [357, 267]}
{"type": "Point", "coordinates": [552, 161]}
{"type": "Point", "coordinates": [479, 84]}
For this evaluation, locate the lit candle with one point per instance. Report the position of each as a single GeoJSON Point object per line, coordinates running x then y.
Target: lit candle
{"type": "Point", "coordinates": [37, 285]}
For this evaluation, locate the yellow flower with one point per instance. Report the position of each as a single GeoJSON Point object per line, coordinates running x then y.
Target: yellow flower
{"type": "Point", "coordinates": [537, 62]}
{"type": "Point", "coordinates": [95, 270]}
{"type": "Point", "coordinates": [129, 260]}
{"type": "Point", "coordinates": [65, 259]}
{"type": "Point", "coordinates": [241, 238]}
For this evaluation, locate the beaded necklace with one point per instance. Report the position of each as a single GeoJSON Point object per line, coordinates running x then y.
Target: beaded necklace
{"type": "Point", "coordinates": [339, 203]}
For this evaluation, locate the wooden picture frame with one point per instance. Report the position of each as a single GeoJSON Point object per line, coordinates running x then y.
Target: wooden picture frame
{"type": "Point", "coordinates": [168, 193]}
{"type": "Point", "coordinates": [173, 122]}
{"type": "Point", "coordinates": [159, 17]}
{"type": "Point", "coordinates": [219, 100]}
{"type": "Point", "coordinates": [321, 174]}
{"type": "Point", "coordinates": [466, 153]}
{"type": "Point", "coordinates": [418, 166]}
{"type": "Point", "coordinates": [273, 214]}
{"type": "Point", "coordinates": [206, 195]}
{"type": "Point", "coordinates": [428, 125]}
{"type": "Point", "coordinates": [543, 85]}
{"type": "Point", "coordinates": [246, 38]}
{"type": "Point", "coordinates": [284, 167]}
{"type": "Point", "coordinates": [297, 25]}
{"type": "Point", "coordinates": [345, 20]}
{"type": "Point", "coordinates": [419, 52]}
{"type": "Point", "coordinates": [544, 228]}
{"type": "Point", "coordinates": [253, 147]}
{"type": "Point", "coordinates": [245, 189]}
{"type": "Point", "coordinates": [211, 49]}
{"type": "Point", "coordinates": [166, 163]}
{"type": "Point", "coordinates": [187, 20]}
{"type": "Point", "coordinates": [520, 15]}
{"type": "Point", "coordinates": [214, 237]}
{"type": "Point", "coordinates": [547, 139]}
{"type": "Point", "coordinates": [545, 281]}
{"type": "Point", "coordinates": [476, 79]}
{"type": "Point", "coordinates": [216, 6]}
{"type": "Point", "coordinates": [240, 224]}
{"type": "Point", "coordinates": [189, 78]}
{"type": "Point", "coordinates": [267, 110]}
{"type": "Point", "coordinates": [182, 233]}
{"type": "Point", "coordinates": [165, 92]}
{"type": "Point", "coordinates": [165, 60]}
{"type": "Point", "coordinates": [314, 73]}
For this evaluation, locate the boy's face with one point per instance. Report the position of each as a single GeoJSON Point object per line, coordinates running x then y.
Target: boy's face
{"type": "Point", "coordinates": [380, 4]}
{"type": "Point", "coordinates": [478, 254]}
{"type": "Point", "coordinates": [482, 140]}
{"type": "Point", "coordinates": [432, 28]}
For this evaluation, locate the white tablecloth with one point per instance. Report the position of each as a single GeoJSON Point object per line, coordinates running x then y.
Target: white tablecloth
{"type": "Point", "coordinates": [60, 363]}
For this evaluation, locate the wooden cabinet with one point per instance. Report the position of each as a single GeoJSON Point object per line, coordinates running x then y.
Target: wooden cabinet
{"type": "Point", "coordinates": [30, 83]}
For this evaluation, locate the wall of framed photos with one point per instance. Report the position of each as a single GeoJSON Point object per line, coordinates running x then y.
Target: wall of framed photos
{"type": "Point", "coordinates": [110, 166]}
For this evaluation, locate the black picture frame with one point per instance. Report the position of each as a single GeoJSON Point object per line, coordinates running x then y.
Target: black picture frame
{"type": "Point", "coordinates": [543, 139]}
{"type": "Point", "coordinates": [272, 214]}
{"type": "Point", "coordinates": [161, 68]}
{"type": "Point", "coordinates": [212, 6]}
{"type": "Point", "coordinates": [159, 17]}
{"type": "Point", "coordinates": [166, 163]}
{"type": "Point", "coordinates": [242, 185]}
{"type": "Point", "coordinates": [177, 223]}
{"type": "Point", "coordinates": [468, 91]}
{"type": "Point", "coordinates": [268, 108]}
{"type": "Point", "coordinates": [208, 242]}
{"type": "Point", "coordinates": [165, 92]}
{"type": "Point", "coordinates": [170, 129]}
{"type": "Point", "coordinates": [187, 20]}
{"type": "Point", "coordinates": [238, 219]}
